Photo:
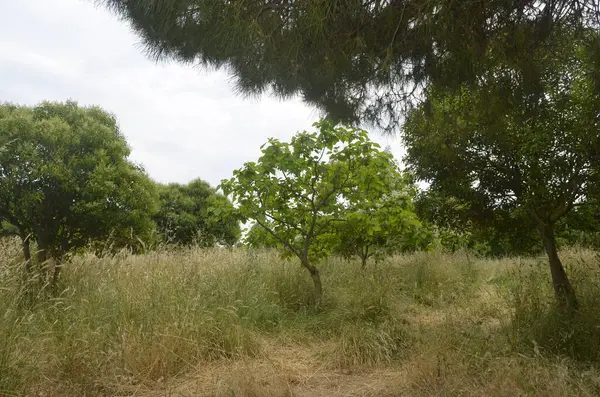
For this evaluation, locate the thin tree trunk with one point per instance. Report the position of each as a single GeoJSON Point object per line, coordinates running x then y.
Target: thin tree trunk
{"type": "Point", "coordinates": [316, 278]}
{"type": "Point", "coordinates": [562, 286]}
{"type": "Point", "coordinates": [363, 260]}
{"type": "Point", "coordinates": [25, 242]}
{"type": "Point", "coordinates": [364, 256]}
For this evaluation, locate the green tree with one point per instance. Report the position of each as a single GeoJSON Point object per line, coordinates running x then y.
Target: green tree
{"type": "Point", "coordinates": [354, 59]}
{"type": "Point", "coordinates": [296, 191]}
{"type": "Point", "coordinates": [505, 145]}
{"type": "Point", "coordinates": [381, 222]}
{"type": "Point", "coordinates": [581, 226]}
{"type": "Point", "coordinates": [196, 214]}
{"type": "Point", "coordinates": [462, 224]}
{"type": "Point", "coordinates": [66, 180]}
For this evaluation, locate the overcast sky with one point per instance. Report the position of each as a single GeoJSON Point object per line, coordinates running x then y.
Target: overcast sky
{"type": "Point", "coordinates": [180, 121]}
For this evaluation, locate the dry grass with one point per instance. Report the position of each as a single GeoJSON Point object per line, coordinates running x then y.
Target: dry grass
{"type": "Point", "coordinates": [241, 323]}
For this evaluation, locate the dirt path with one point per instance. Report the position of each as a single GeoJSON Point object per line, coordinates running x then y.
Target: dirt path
{"type": "Point", "coordinates": [283, 371]}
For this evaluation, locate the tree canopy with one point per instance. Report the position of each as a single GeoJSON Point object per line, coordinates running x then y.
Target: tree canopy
{"type": "Point", "coordinates": [581, 226]}
{"type": "Point", "coordinates": [373, 223]}
{"type": "Point", "coordinates": [258, 237]}
{"type": "Point", "coordinates": [358, 60]}
{"type": "Point", "coordinates": [504, 145]}
{"type": "Point", "coordinates": [297, 191]}
{"type": "Point", "coordinates": [459, 224]}
{"type": "Point", "coordinates": [65, 179]}
{"type": "Point", "coordinates": [195, 213]}
{"type": "Point", "coordinates": [380, 222]}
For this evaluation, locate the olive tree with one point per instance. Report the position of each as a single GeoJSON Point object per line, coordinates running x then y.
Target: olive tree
{"type": "Point", "coordinates": [296, 191]}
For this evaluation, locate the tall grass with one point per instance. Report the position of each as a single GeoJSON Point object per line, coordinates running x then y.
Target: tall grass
{"type": "Point", "coordinates": [536, 321]}
{"type": "Point", "coordinates": [135, 321]}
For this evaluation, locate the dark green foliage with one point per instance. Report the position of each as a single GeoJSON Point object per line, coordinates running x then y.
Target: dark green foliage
{"type": "Point", "coordinates": [65, 180]}
{"type": "Point", "coordinates": [196, 214]}
{"type": "Point", "coordinates": [497, 233]}
{"type": "Point", "coordinates": [513, 152]}
{"type": "Point", "coordinates": [354, 59]}
{"type": "Point", "coordinates": [505, 233]}
{"type": "Point", "coordinates": [581, 226]}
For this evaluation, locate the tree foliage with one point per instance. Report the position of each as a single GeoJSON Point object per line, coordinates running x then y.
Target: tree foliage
{"type": "Point", "coordinates": [381, 222]}
{"type": "Point", "coordinates": [296, 191]}
{"type": "Point", "coordinates": [581, 226]}
{"type": "Point", "coordinates": [354, 59]}
{"type": "Point", "coordinates": [258, 237]}
{"type": "Point", "coordinates": [506, 232]}
{"type": "Point", "coordinates": [505, 145]}
{"type": "Point", "coordinates": [65, 179]}
{"type": "Point", "coordinates": [196, 214]}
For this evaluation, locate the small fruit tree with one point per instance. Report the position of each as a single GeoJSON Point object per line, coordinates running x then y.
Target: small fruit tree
{"type": "Point", "coordinates": [298, 191]}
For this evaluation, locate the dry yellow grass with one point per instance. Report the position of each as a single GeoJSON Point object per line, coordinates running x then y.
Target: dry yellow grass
{"type": "Point", "coordinates": [240, 323]}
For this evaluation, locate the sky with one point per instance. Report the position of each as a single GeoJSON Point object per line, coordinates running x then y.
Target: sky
{"type": "Point", "coordinates": [181, 122]}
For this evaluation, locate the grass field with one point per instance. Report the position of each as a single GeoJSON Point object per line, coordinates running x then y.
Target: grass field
{"type": "Point", "coordinates": [241, 323]}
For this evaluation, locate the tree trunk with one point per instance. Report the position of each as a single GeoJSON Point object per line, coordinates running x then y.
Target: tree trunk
{"type": "Point", "coordinates": [26, 252]}
{"type": "Point", "coordinates": [316, 278]}
{"type": "Point", "coordinates": [363, 260]}
{"type": "Point", "coordinates": [563, 290]}
{"type": "Point", "coordinates": [364, 255]}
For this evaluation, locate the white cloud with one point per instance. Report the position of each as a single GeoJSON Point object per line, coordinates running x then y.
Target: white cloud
{"type": "Point", "coordinates": [181, 122]}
